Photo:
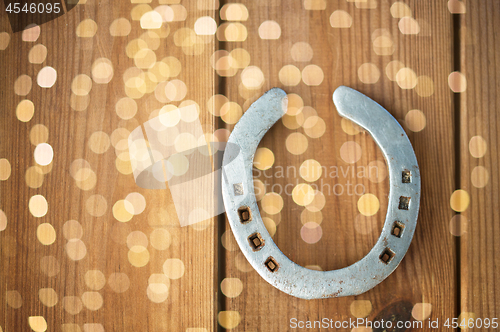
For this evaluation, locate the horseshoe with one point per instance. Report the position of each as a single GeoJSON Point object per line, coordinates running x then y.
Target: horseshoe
{"type": "Point", "coordinates": [248, 227]}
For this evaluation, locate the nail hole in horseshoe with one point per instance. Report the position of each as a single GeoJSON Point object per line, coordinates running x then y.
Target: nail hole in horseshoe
{"type": "Point", "coordinates": [404, 203]}
{"type": "Point", "coordinates": [397, 229]}
{"type": "Point", "coordinates": [256, 241]}
{"type": "Point", "coordinates": [245, 214]}
{"type": "Point", "coordinates": [387, 256]}
{"type": "Point", "coordinates": [271, 264]}
{"type": "Point", "coordinates": [406, 176]}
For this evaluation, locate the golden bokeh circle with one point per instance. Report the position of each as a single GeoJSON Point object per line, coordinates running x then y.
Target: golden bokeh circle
{"type": "Point", "coordinates": [295, 104]}
{"type": "Point", "coordinates": [81, 85]}
{"type": "Point", "coordinates": [289, 75]}
{"type": "Point", "coordinates": [38, 206]}
{"type": "Point", "coordinates": [406, 78]}
{"type": "Point", "coordinates": [48, 297]}
{"type": "Point", "coordinates": [99, 142]}
{"type": "Point", "coordinates": [31, 33]}
{"type": "Point", "coordinates": [459, 200]}
{"type": "Point", "coordinates": [229, 319]}
{"type": "Point", "coordinates": [269, 30]}
{"type": "Point", "coordinates": [415, 120]}
{"type": "Point", "coordinates": [39, 134]}
{"type": "Point", "coordinates": [310, 216]}
{"type": "Point", "coordinates": [22, 85]}
{"type": "Point", "coordinates": [310, 170]}
{"type": "Point", "coordinates": [458, 225]}
{"type": "Point", "coordinates": [119, 282]}
{"type": "Point", "coordinates": [301, 52]}
{"type": "Point", "coordinates": [3, 221]}
{"type": "Point", "coordinates": [43, 154]}
{"type": "Point", "coordinates": [173, 268]}
{"type": "Point", "coordinates": [263, 159]}
{"type": "Point", "coordinates": [46, 234]}
{"type": "Point", "coordinates": [252, 77]}
{"type": "Point", "coordinates": [314, 126]}
{"type": "Point", "coordinates": [37, 54]}
{"type": "Point", "coordinates": [5, 169]}
{"type": "Point", "coordinates": [340, 19]}
{"type": "Point", "coordinates": [303, 194]}
{"type": "Point", "coordinates": [377, 171]}
{"type": "Point", "coordinates": [457, 82]}
{"type": "Point", "coordinates": [37, 323]}
{"type": "Point", "coordinates": [349, 127]}
{"type": "Point", "coordinates": [92, 300]}
{"type": "Point", "coordinates": [14, 299]}
{"type": "Point", "coordinates": [272, 203]}
{"type": "Point", "coordinates": [95, 279]}
{"type": "Point", "coordinates": [365, 224]}
{"type": "Point", "coordinates": [102, 71]}
{"type": "Point", "coordinates": [368, 73]}
{"type": "Point", "coordinates": [259, 189]}
{"type": "Point", "coordinates": [46, 77]}
{"type": "Point", "coordinates": [368, 204]}
{"type": "Point", "coordinates": [350, 152]}
{"type": "Point", "coordinates": [76, 249]}
{"type": "Point", "coordinates": [231, 287]}
{"type": "Point", "coordinates": [477, 146]}
{"type": "Point", "coordinates": [138, 256]}
{"type": "Point", "coordinates": [231, 112]}
{"type": "Point", "coordinates": [421, 311]}
{"type": "Point", "coordinates": [137, 203]}
{"type": "Point", "coordinates": [312, 75]}
{"type": "Point", "coordinates": [311, 232]}
{"type": "Point", "coordinates": [120, 212]}
{"type": "Point", "coordinates": [25, 110]}
{"type": "Point", "coordinates": [160, 239]}
{"type": "Point", "coordinates": [296, 143]}
{"type": "Point", "coordinates": [318, 202]}
{"type": "Point", "coordinates": [72, 229]}
{"type": "Point", "coordinates": [393, 68]}
{"type": "Point", "coordinates": [425, 86]}
{"type": "Point", "coordinates": [86, 28]}
{"type": "Point", "coordinates": [293, 121]}
{"type": "Point", "coordinates": [409, 26]}
{"type": "Point", "coordinates": [4, 40]}
{"type": "Point", "coordinates": [228, 241]}
{"type": "Point", "coordinates": [361, 308]}
{"type": "Point", "coordinates": [400, 9]}
{"type": "Point", "coordinates": [479, 177]}
{"type": "Point", "coordinates": [120, 27]}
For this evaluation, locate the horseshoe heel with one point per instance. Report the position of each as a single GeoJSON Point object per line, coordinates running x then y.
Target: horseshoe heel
{"type": "Point", "coordinates": [248, 227]}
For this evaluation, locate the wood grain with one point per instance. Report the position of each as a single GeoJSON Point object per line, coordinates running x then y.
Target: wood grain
{"type": "Point", "coordinates": [191, 299]}
{"type": "Point", "coordinates": [430, 262]}
{"type": "Point", "coordinates": [479, 117]}
{"type": "Point", "coordinates": [454, 275]}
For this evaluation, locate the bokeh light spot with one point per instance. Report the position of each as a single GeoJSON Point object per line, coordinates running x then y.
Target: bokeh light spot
{"type": "Point", "coordinates": [459, 200]}
{"type": "Point", "coordinates": [368, 204]}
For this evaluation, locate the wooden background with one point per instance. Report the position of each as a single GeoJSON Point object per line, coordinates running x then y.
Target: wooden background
{"type": "Point", "coordinates": [152, 274]}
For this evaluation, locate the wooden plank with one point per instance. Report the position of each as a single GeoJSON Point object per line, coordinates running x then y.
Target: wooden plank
{"type": "Point", "coordinates": [346, 235]}
{"type": "Point", "coordinates": [480, 243]}
{"type": "Point", "coordinates": [117, 293]}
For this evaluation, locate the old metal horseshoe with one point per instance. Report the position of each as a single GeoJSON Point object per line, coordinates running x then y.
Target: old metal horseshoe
{"type": "Point", "coordinates": [251, 234]}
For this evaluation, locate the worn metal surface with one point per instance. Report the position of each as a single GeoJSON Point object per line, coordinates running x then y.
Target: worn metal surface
{"type": "Point", "coordinates": [248, 227]}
